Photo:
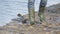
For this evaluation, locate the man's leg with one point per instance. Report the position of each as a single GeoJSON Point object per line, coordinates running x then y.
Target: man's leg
{"type": "Point", "coordinates": [41, 10]}
{"type": "Point", "coordinates": [31, 11]}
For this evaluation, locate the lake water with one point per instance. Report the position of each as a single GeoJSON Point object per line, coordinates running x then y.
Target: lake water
{"type": "Point", "coordinates": [10, 8]}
